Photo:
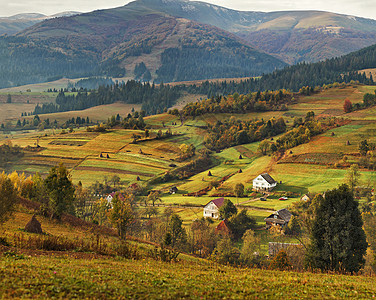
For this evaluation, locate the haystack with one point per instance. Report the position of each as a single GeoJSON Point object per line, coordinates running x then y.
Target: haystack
{"type": "Point", "coordinates": [34, 226]}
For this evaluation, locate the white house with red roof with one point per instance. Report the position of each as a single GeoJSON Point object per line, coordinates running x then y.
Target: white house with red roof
{"type": "Point", "coordinates": [264, 182]}
{"type": "Point", "coordinates": [211, 210]}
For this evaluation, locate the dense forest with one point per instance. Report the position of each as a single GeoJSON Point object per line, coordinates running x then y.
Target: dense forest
{"type": "Point", "coordinates": [154, 99]}
{"type": "Point", "coordinates": [193, 63]}
{"type": "Point", "coordinates": [340, 69]}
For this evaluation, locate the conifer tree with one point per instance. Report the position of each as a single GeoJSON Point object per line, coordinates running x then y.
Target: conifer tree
{"type": "Point", "coordinates": [338, 241]}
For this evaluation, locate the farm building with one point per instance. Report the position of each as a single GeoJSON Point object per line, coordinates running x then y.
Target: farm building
{"type": "Point", "coordinates": [223, 229]}
{"type": "Point", "coordinates": [280, 217]}
{"type": "Point", "coordinates": [211, 210]}
{"type": "Point", "coordinates": [173, 190]}
{"type": "Point", "coordinates": [264, 182]}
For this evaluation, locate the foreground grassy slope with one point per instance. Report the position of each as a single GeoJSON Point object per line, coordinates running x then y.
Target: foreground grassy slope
{"type": "Point", "coordinates": [68, 277]}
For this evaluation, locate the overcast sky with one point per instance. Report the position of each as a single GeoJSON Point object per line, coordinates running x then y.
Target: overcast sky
{"type": "Point", "coordinates": [361, 8]}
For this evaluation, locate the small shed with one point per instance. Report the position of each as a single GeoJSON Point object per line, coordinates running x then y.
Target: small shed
{"type": "Point", "coordinates": [173, 190]}
{"type": "Point", "coordinates": [280, 217]}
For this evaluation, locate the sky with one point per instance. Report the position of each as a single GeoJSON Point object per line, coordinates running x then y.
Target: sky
{"type": "Point", "coordinates": [360, 8]}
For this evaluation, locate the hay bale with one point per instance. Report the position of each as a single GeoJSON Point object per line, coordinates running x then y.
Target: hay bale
{"type": "Point", "coordinates": [210, 174]}
{"type": "Point", "coordinates": [240, 156]}
{"type": "Point", "coordinates": [108, 156]}
{"type": "Point", "coordinates": [240, 171]}
{"type": "Point", "coordinates": [33, 226]}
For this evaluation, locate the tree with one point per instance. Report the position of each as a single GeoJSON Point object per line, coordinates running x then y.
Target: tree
{"type": "Point", "coordinates": [352, 176]}
{"type": "Point", "coordinates": [239, 190]}
{"type": "Point", "coordinates": [347, 106]}
{"type": "Point", "coordinates": [154, 196]}
{"type": "Point", "coordinates": [8, 197]}
{"type": "Point", "coordinates": [251, 245]}
{"type": "Point", "coordinates": [363, 147]}
{"type": "Point", "coordinates": [240, 223]}
{"type": "Point", "coordinates": [227, 209]}
{"type": "Point", "coordinates": [60, 190]}
{"type": "Point", "coordinates": [226, 252]}
{"type": "Point", "coordinates": [264, 147]}
{"type": "Point", "coordinates": [122, 213]}
{"type": "Point", "coordinates": [178, 236]}
{"type": "Point", "coordinates": [338, 241]}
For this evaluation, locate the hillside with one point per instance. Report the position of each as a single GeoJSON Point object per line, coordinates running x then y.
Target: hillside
{"type": "Point", "coordinates": [114, 42]}
{"type": "Point", "coordinates": [293, 36]}
{"type": "Point", "coordinates": [80, 272]}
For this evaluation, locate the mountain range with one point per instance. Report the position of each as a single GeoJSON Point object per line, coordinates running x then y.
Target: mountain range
{"type": "Point", "coordinates": [19, 22]}
{"type": "Point", "coordinates": [175, 40]}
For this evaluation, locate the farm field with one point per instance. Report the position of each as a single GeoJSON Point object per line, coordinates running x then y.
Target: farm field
{"type": "Point", "coordinates": [306, 168]}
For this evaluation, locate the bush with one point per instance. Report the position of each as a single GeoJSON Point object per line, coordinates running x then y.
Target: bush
{"type": "Point", "coordinates": [164, 254]}
{"type": "Point", "coordinates": [127, 251]}
{"type": "Point", "coordinates": [280, 261]}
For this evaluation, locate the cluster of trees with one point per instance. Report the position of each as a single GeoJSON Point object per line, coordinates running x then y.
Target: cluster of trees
{"type": "Point", "coordinates": [234, 132]}
{"type": "Point", "coordinates": [153, 99]}
{"type": "Point", "coordinates": [368, 155]}
{"type": "Point", "coordinates": [368, 101]}
{"type": "Point", "coordinates": [259, 101]}
{"type": "Point", "coordinates": [141, 72]}
{"type": "Point", "coordinates": [90, 83]}
{"type": "Point", "coordinates": [8, 152]}
{"type": "Point", "coordinates": [302, 132]}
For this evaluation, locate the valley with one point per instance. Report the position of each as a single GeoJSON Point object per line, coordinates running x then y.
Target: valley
{"type": "Point", "coordinates": [171, 149]}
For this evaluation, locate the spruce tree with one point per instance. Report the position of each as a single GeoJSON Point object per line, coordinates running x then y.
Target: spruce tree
{"type": "Point", "coordinates": [338, 241]}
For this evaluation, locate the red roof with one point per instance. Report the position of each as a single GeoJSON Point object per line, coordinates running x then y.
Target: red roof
{"type": "Point", "coordinates": [222, 228]}
{"type": "Point", "coordinates": [218, 202]}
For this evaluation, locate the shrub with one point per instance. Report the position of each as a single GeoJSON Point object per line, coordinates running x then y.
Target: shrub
{"type": "Point", "coordinates": [164, 254]}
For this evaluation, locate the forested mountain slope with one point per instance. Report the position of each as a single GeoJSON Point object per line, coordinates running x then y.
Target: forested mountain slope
{"type": "Point", "coordinates": [294, 36]}
{"type": "Point", "coordinates": [116, 42]}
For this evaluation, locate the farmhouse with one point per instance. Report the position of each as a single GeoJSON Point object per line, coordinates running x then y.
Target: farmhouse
{"type": "Point", "coordinates": [211, 210]}
{"type": "Point", "coordinates": [264, 182]}
{"type": "Point", "coordinates": [280, 217]}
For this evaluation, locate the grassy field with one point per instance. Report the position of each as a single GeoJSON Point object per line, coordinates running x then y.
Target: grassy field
{"type": "Point", "coordinates": [65, 276]}
{"type": "Point", "coordinates": [308, 167]}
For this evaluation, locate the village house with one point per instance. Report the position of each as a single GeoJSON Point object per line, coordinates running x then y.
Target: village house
{"type": "Point", "coordinates": [264, 182]}
{"type": "Point", "coordinates": [280, 217]}
{"type": "Point", "coordinates": [211, 210]}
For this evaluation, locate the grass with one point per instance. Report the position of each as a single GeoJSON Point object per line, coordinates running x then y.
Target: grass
{"type": "Point", "coordinates": [68, 277]}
